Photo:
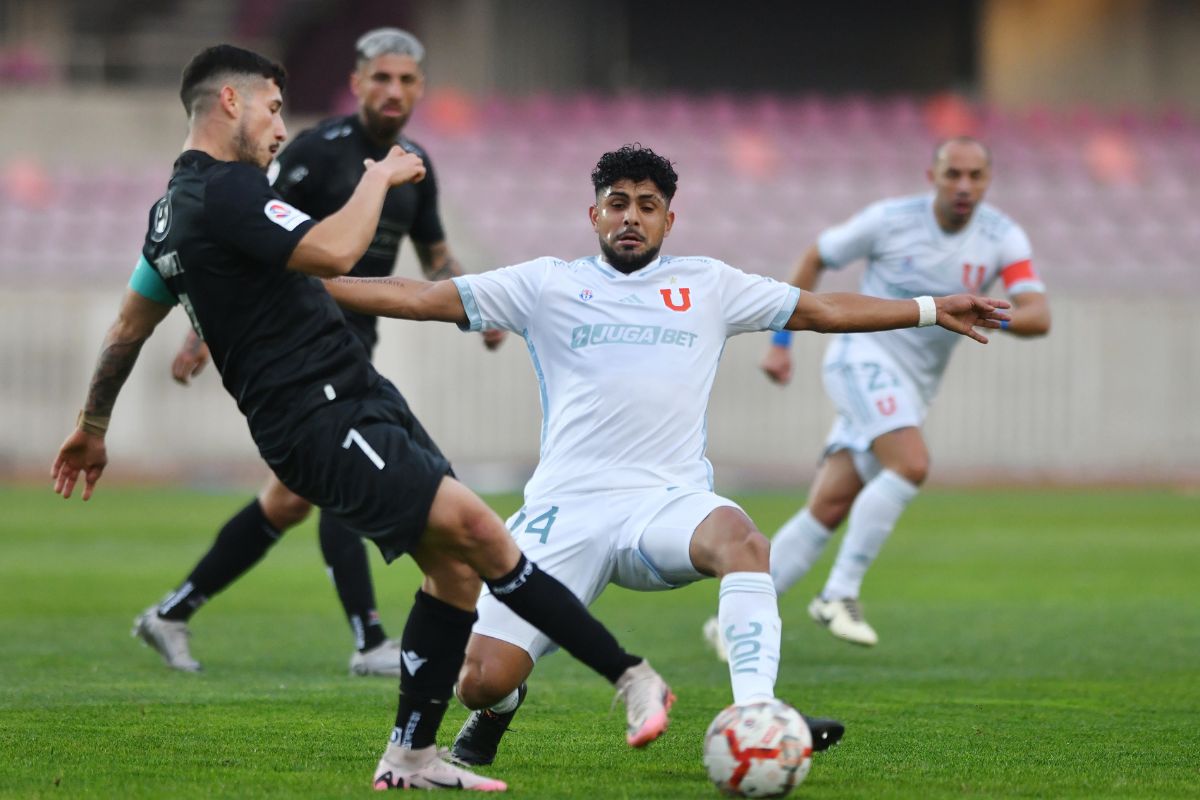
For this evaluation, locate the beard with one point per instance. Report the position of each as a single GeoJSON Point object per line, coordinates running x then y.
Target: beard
{"type": "Point", "coordinates": [246, 152]}
{"type": "Point", "coordinates": [627, 263]}
{"type": "Point", "coordinates": [381, 128]}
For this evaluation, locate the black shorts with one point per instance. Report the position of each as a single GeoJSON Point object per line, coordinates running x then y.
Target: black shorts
{"type": "Point", "coordinates": [368, 461]}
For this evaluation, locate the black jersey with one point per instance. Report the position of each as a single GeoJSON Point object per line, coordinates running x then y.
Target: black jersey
{"type": "Point", "coordinates": [320, 170]}
{"type": "Point", "coordinates": [220, 239]}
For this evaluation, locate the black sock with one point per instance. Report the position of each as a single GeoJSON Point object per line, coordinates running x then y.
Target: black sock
{"type": "Point", "coordinates": [432, 649]}
{"type": "Point", "coordinates": [346, 556]}
{"type": "Point", "coordinates": [238, 546]}
{"type": "Point", "coordinates": [547, 605]}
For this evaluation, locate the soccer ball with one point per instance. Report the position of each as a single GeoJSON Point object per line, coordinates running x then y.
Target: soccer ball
{"type": "Point", "coordinates": [758, 749]}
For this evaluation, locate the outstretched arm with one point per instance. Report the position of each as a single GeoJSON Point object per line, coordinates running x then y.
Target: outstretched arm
{"type": "Point", "coordinates": [439, 264]}
{"type": "Point", "coordinates": [844, 312]}
{"type": "Point", "coordinates": [401, 298]}
{"type": "Point", "coordinates": [84, 451]}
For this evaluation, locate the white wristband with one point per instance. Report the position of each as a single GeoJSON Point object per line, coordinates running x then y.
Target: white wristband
{"type": "Point", "coordinates": [928, 311]}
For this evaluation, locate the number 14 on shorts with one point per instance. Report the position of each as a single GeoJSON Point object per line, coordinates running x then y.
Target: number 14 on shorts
{"type": "Point", "coordinates": [539, 525]}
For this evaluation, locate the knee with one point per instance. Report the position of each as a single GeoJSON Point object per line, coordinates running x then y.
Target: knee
{"type": "Point", "coordinates": [481, 540]}
{"type": "Point", "coordinates": [830, 511]}
{"type": "Point", "coordinates": [283, 509]}
{"type": "Point", "coordinates": [914, 468]}
{"type": "Point", "coordinates": [756, 550]}
{"type": "Point", "coordinates": [743, 547]}
{"type": "Point", "coordinates": [476, 689]}
{"type": "Point", "coordinates": [481, 531]}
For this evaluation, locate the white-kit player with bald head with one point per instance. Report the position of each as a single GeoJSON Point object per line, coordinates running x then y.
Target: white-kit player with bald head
{"type": "Point", "coordinates": [882, 383]}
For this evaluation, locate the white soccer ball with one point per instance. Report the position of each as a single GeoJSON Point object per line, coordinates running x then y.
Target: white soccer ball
{"type": "Point", "coordinates": [758, 749]}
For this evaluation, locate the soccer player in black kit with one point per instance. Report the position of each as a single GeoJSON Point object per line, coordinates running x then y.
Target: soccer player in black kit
{"type": "Point", "coordinates": [317, 173]}
{"type": "Point", "coordinates": [243, 264]}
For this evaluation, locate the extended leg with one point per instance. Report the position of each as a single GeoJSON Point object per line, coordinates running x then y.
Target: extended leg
{"type": "Point", "coordinates": [239, 545]}
{"type": "Point", "coordinates": [729, 546]}
{"type": "Point", "coordinates": [905, 461]}
{"type": "Point", "coordinates": [466, 527]}
{"type": "Point", "coordinates": [349, 568]}
{"type": "Point", "coordinates": [802, 539]}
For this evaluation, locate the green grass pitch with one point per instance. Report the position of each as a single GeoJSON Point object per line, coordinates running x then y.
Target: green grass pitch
{"type": "Point", "coordinates": [1032, 645]}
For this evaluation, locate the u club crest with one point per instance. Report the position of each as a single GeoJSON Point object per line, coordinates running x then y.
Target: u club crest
{"type": "Point", "coordinates": [684, 303]}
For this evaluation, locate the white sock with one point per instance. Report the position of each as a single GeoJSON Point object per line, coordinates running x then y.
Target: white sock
{"type": "Point", "coordinates": [509, 703]}
{"type": "Point", "coordinates": [872, 518]}
{"type": "Point", "coordinates": [749, 617]}
{"type": "Point", "coordinates": [795, 548]}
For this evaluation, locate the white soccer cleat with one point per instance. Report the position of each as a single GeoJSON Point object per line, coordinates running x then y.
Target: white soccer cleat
{"type": "Point", "coordinates": [382, 659]}
{"type": "Point", "coordinates": [402, 768]}
{"type": "Point", "coordinates": [169, 638]}
{"type": "Point", "coordinates": [844, 618]}
{"type": "Point", "coordinates": [712, 635]}
{"type": "Point", "coordinates": [647, 700]}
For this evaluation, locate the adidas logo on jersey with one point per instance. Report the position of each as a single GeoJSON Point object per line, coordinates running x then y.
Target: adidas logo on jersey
{"type": "Point", "coordinates": [632, 300]}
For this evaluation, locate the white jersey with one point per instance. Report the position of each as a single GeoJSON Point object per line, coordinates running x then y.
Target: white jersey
{"type": "Point", "coordinates": [625, 362]}
{"type": "Point", "coordinates": [909, 255]}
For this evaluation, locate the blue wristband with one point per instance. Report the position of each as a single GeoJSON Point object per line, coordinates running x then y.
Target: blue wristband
{"type": "Point", "coordinates": [782, 339]}
{"type": "Point", "coordinates": [1004, 324]}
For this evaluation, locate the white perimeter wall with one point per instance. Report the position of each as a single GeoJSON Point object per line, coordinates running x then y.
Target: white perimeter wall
{"type": "Point", "coordinates": [1110, 395]}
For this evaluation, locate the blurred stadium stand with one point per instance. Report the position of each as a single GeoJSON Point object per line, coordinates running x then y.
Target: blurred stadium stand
{"type": "Point", "coordinates": [1105, 197]}
{"type": "Point", "coordinates": [1103, 185]}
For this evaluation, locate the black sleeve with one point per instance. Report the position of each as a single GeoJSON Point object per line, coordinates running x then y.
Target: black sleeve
{"type": "Point", "coordinates": [427, 225]}
{"type": "Point", "coordinates": [243, 212]}
{"type": "Point", "coordinates": [299, 173]}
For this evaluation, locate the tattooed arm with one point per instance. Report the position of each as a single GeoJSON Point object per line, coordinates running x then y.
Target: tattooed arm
{"type": "Point", "coordinates": [439, 264]}
{"type": "Point", "coordinates": [399, 298]}
{"type": "Point", "coordinates": [84, 451]}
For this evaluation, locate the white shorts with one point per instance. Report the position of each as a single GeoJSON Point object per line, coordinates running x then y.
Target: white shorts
{"type": "Point", "coordinates": [636, 539]}
{"type": "Point", "coordinates": [873, 396]}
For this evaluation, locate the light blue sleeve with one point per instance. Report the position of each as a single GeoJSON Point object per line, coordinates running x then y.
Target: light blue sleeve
{"type": "Point", "coordinates": [854, 239]}
{"type": "Point", "coordinates": [149, 284]}
{"type": "Point", "coordinates": [503, 299]}
{"type": "Point", "coordinates": [754, 302]}
{"type": "Point", "coordinates": [474, 321]}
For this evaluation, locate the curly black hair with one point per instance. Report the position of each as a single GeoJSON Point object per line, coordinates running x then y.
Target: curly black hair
{"type": "Point", "coordinates": [636, 163]}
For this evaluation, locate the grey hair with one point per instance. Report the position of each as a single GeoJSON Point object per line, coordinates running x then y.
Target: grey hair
{"type": "Point", "coordinates": [386, 41]}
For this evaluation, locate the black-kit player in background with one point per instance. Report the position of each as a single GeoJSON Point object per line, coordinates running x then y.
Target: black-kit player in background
{"type": "Point", "coordinates": [244, 263]}
{"type": "Point", "coordinates": [317, 173]}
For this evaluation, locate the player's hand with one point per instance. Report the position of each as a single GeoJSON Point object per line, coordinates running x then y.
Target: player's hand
{"type": "Point", "coordinates": [190, 360]}
{"type": "Point", "coordinates": [963, 313]}
{"type": "Point", "coordinates": [81, 452]}
{"type": "Point", "coordinates": [399, 166]}
{"type": "Point", "coordinates": [493, 339]}
{"type": "Point", "coordinates": [777, 364]}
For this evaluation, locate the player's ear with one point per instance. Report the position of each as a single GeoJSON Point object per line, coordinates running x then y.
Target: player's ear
{"type": "Point", "coordinates": [670, 222]}
{"type": "Point", "coordinates": [230, 100]}
{"type": "Point", "coordinates": [356, 83]}
{"type": "Point", "coordinates": [929, 174]}
{"type": "Point", "coordinates": [593, 215]}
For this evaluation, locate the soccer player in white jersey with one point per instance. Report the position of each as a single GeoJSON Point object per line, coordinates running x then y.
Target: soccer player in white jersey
{"type": "Point", "coordinates": [625, 346]}
{"type": "Point", "coordinates": [882, 383]}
